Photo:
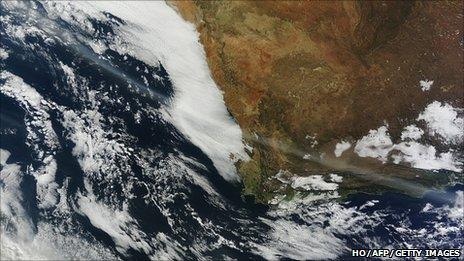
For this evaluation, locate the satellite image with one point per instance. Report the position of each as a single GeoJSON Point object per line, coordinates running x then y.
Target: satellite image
{"type": "Point", "coordinates": [231, 130]}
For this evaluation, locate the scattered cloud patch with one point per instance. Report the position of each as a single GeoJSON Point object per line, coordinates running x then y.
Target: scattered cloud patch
{"type": "Point", "coordinates": [307, 156]}
{"type": "Point", "coordinates": [377, 144]}
{"type": "Point", "coordinates": [336, 178]}
{"type": "Point", "coordinates": [313, 182]}
{"type": "Point", "coordinates": [312, 139]}
{"type": "Point", "coordinates": [443, 120]}
{"type": "Point", "coordinates": [341, 147]}
{"type": "Point", "coordinates": [41, 135]}
{"type": "Point", "coordinates": [411, 132]}
{"type": "Point", "coordinates": [3, 54]}
{"type": "Point", "coordinates": [424, 157]}
{"type": "Point", "coordinates": [116, 223]}
{"type": "Point", "coordinates": [425, 85]}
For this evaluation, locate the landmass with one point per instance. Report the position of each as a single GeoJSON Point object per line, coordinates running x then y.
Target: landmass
{"type": "Point", "coordinates": [301, 77]}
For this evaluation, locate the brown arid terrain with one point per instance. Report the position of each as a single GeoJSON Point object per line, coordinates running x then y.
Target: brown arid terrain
{"type": "Point", "coordinates": [299, 76]}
